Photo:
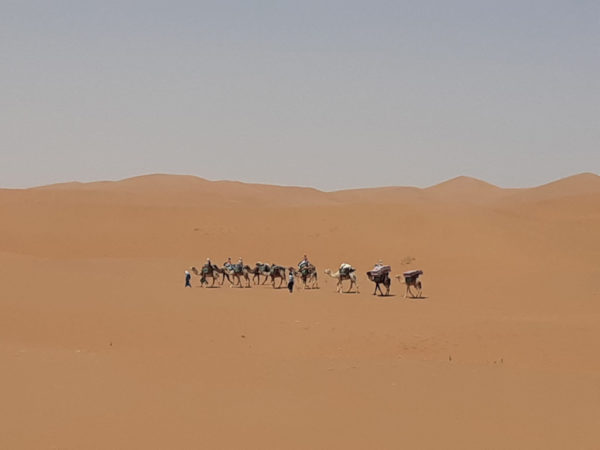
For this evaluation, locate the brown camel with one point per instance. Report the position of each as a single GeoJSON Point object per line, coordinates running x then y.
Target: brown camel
{"type": "Point", "coordinates": [411, 279]}
{"type": "Point", "coordinates": [277, 272]}
{"type": "Point", "coordinates": [238, 275]}
{"type": "Point", "coordinates": [308, 275]}
{"type": "Point", "coordinates": [258, 270]}
{"type": "Point", "coordinates": [340, 276]}
{"type": "Point", "coordinates": [380, 278]}
{"type": "Point", "coordinates": [207, 271]}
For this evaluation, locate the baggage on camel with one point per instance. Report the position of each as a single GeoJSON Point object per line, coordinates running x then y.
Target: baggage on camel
{"type": "Point", "coordinates": [380, 270]}
{"type": "Point", "coordinates": [346, 269]}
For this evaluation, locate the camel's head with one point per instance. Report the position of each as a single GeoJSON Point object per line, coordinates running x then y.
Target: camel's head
{"type": "Point", "coordinates": [193, 269]}
{"type": "Point", "coordinates": [327, 272]}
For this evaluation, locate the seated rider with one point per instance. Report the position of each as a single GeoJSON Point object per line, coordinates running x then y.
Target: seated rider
{"type": "Point", "coordinates": [228, 264]}
{"type": "Point", "coordinates": [207, 267]}
{"type": "Point", "coordinates": [304, 263]}
{"type": "Point", "coordinates": [240, 265]}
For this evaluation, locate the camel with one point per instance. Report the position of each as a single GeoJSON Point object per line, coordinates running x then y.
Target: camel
{"type": "Point", "coordinates": [308, 275]}
{"type": "Point", "coordinates": [277, 272]}
{"type": "Point", "coordinates": [381, 278]}
{"type": "Point", "coordinates": [339, 276]}
{"type": "Point", "coordinates": [411, 279]}
{"type": "Point", "coordinates": [245, 274]}
{"type": "Point", "coordinates": [258, 270]}
{"type": "Point", "coordinates": [210, 271]}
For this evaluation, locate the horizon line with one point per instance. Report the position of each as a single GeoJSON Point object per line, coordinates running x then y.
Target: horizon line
{"type": "Point", "coordinates": [198, 177]}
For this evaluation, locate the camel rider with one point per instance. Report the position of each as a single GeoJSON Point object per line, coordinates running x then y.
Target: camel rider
{"type": "Point", "coordinates": [240, 265]}
{"type": "Point", "coordinates": [228, 264]}
{"type": "Point", "coordinates": [305, 263]}
{"type": "Point", "coordinates": [207, 267]}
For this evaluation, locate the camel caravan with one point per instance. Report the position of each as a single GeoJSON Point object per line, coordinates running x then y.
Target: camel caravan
{"type": "Point", "coordinates": [241, 275]}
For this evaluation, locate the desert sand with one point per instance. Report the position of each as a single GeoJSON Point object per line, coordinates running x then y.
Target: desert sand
{"type": "Point", "coordinates": [102, 347]}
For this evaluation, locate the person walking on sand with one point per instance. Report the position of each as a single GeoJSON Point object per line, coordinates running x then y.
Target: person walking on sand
{"type": "Point", "coordinates": [188, 277]}
{"type": "Point", "coordinates": [291, 280]}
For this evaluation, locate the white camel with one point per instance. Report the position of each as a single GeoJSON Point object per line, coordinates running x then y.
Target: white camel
{"type": "Point", "coordinates": [344, 275]}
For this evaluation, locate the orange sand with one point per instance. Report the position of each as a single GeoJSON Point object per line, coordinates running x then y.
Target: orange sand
{"type": "Point", "coordinates": [102, 348]}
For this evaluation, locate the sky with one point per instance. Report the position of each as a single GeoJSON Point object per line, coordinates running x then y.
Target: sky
{"type": "Point", "coordinates": [328, 94]}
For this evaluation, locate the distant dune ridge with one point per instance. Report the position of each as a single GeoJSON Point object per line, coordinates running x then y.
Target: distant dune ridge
{"type": "Point", "coordinates": [103, 347]}
{"type": "Point", "coordinates": [462, 189]}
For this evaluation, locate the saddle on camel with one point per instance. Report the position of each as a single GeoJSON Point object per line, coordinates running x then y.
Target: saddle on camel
{"type": "Point", "coordinates": [411, 279]}
{"type": "Point", "coordinates": [346, 269]}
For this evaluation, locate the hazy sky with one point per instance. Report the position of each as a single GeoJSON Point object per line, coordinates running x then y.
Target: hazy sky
{"type": "Point", "coordinates": [330, 94]}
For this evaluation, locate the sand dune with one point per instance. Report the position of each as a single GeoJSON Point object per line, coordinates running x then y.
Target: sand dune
{"type": "Point", "coordinates": [102, 347]}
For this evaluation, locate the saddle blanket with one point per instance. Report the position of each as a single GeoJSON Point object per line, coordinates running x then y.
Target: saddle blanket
{"type": "Point", "coordinates": [380, 270]}
{"type": "Point", "coordinates": [412, 273]}
{"type": "Point", "coordinates": [346, 268]}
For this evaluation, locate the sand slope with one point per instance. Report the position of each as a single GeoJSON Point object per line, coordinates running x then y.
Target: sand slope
{"type": "Point", "coordinates": [104, 348]}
